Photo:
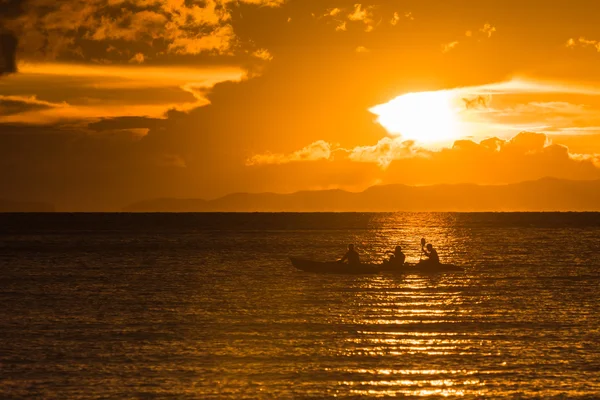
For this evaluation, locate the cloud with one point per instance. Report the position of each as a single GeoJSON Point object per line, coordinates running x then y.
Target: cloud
{"type": "Point", "coordinates": [11, 105]}
{"type": "Point", "coordinates": [263, 3]}
{"type": "Point", "coordinates": [83, 171]}
{"type": "Point", "coordinates": [341, 27]}
{"type": "Point", "coordinates": [517, 106]}
{"type": "Point", "coordinates": [476, 102]}
{"type": "Point", "coordinates": [172, 160]}
{"type": "Point", "coordinates": [583, 42]}
{"type": "Point", "coordinates": [396, 17]}
{"type": "Point", "coordinates": [140, 26]}
{"type": "Point", "coordinates": [319, 150]}
{"type": "Point", "coordinates": [384, 152]}
{"type": "Point", "coordinates": [49, 28]}
{"type": "Point", "coordinates": [526, 143]}
{"type": "Point", "coordinates": [8, 51]}
{"type": "Point", "coordinates": [367, 16]}
{"type": "Point", "coordinates": [9, 9]}
{"type": "Point", "coordinates": [552, 107]}
{"type": "Point", "coordinates": [104, 91]}
{"type": "Point", "coordinates": [488, 30]}
{"type": "Point", "coordinates": [593, 158]}
{"type": "Point", "coordinates": [361, 49]}
{"type": "Point", "coordinates": [389, 149]}
{"type": "Point", "coordinates": [497, 109]}
{"type": "Point", "coordinates": [147, 75]}
{"type": "Point", "coordinates": [524, 85]}
{"type": "Point", "coordinates": [566, 109]}
{"type": "Point", "coordinates": [112, 124]}
{"type": "Point", "coordinates": [220, 41]}
{"type": "Point", "coordinates": [525, 156]}
{"type": "Point", "coordinates": [550, 117]}
{"type": "Point", "coordinates": [263, 54]}
{"type": "Point", "coordinates": [332, 12]}
{"type": "Point", "coordinates": [363, 14]}
{"type": "Point", "coordinates": [449, 46]}
{"type": "Point", "coordinates": [138, 58]}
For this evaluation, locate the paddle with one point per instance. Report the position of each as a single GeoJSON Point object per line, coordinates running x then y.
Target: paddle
{"type": "Point", "coordinates": [423, 241]}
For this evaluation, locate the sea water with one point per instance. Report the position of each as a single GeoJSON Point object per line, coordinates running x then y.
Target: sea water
{"type": "Point", "coordinates": [208, 306]}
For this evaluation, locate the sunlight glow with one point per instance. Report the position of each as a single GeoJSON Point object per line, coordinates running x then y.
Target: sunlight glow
{"type": "Point", "coordinates": [427, 117]}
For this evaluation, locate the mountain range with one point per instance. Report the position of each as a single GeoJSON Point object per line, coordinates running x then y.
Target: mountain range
{"type": "Point", "coordinates": [547, 194]}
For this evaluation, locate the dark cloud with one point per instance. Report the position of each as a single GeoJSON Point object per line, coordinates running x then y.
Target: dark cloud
{"type": "Point", "coordinates": [8, 53]}
{"type": "Point", "coordinates": [8, 40]}
{"type": "Point", "coordinates": [11, 8]}
{"type": "Point", "coordinates": [105, 170]}
{"type": "Point", "coordinates": [10, 105]}
{"type": "Point", "coordinates": [81, 171]}
{"type": "Point", "coordinates": [116, 31]}
{"type": "Point", "coordinates": [476, 102]}
{"type": "Point", "coordinates": [111, 124]}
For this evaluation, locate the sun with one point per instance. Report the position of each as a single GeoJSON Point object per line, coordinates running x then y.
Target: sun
{"type": "Point", "coordinates": [428, 117]}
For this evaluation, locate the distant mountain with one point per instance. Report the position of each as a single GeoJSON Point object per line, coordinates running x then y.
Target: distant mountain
{"type": "Point", "coordinates": [24, 206]}
{"type": "Point", "coordinates": [547, 194]}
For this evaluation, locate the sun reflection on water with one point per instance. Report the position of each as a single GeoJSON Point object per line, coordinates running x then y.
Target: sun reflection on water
{"type": "Point", "coordinates": [420, 317]}
{"type": "Point", "coordinates": [424, 383]}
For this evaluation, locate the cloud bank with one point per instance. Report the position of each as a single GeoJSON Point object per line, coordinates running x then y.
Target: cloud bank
{"type": "Point", "coordinates": [108, 91]}
{"type": "Point", "coordinates": [152, 28]}
{"type": "Point", "coordinates": [527, 155]}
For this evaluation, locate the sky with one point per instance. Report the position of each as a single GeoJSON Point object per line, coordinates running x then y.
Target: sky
{"type": "Point", "coordinates": [108, 102]}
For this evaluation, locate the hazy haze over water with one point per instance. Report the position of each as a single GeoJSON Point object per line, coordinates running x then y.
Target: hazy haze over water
{"type": "Point", "coordinates": [208, 306]}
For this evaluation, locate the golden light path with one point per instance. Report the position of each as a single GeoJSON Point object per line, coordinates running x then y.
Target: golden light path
{"type": "Point", "coordinates": [413, 318]}
{"type": "Point", "coordinates": [412, 333]}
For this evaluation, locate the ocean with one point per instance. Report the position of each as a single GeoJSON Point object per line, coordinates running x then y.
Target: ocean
{"type": "Point", "coordinates": [208, 306]}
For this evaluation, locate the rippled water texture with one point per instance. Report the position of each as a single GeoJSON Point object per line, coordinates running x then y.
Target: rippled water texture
{"type": "Point", "coordinates": [208, 306]}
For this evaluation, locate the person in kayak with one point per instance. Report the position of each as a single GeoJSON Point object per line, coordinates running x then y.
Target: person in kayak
{"type": "Point", "coordinates": [397, 257]}
{"type": "Point", "coordinates": [351, 255]}
{"type": "Point", "coordinates": [431, 254]}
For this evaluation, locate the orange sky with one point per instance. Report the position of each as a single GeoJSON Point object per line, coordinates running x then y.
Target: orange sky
{"type": "Point", "coordinates": [107, 102]}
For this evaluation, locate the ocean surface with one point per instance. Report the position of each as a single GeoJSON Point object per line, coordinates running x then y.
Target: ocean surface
{"type": "Point", "coordinates": [208, 306]}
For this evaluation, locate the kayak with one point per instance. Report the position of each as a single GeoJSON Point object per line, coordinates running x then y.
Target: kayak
{"type": "Point", "coordinates": [335, 267]}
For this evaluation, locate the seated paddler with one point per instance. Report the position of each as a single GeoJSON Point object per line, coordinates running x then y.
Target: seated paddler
{"type": "Point", "coordinates": [351, 256]}
{"type": "Point", "coordinates": [397, 257]}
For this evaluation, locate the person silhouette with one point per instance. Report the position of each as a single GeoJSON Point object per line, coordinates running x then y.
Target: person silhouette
{"type": "Point", "coordinates": [431, 254]}
{"type": "Point", "coordinates": [397, 257]}
{"type": "Point", "coordinates": [351, 255]}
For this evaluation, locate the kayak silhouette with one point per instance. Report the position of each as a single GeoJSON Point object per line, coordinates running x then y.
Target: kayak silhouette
{"type": "Point", "coordinates": [336, 267]}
